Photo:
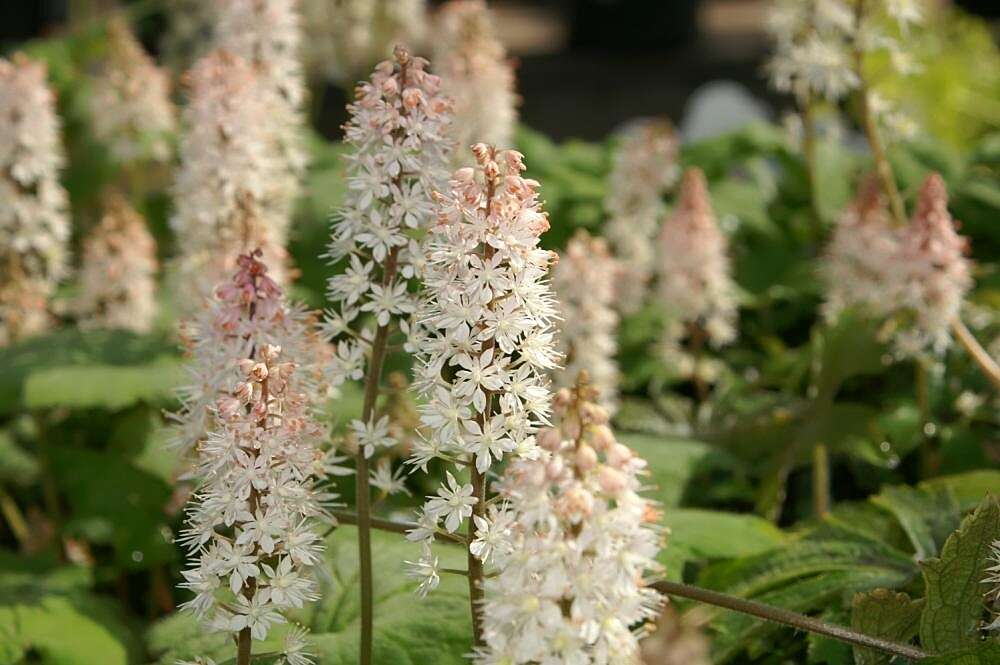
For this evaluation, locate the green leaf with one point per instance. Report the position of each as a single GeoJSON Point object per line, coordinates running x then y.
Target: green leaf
{"type": "Point", "coordinates": [17, 465]}
{"type": "Point", "coordinates": [707, 534]}
{"type": "Point", "coordinates": [886, 614]}
{"type": "Point", "coordinates": [967, 488]}
{"type": "Point", "coordinates": [845, 349]}
{"type": "Point", "coordinates": [927, 516]}
{"type": "Point", "coordinates": [674, 462]}
{"type": "Point", "coordinates": [954, 587]}
{"type": "Point", "coordinates": [84, 369]}
{"type": "Point", "coordinates": [985, 653]}
{"type": "Point", "coordinates": [52, 617]}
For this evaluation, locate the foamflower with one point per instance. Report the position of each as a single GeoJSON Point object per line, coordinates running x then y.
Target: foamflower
{"type": "Point", "coordinates": [580, 548]}
{"type": "Point", "coordinates": [34, 219]}
{"type": "Point", "coordinates": [644, 169]}
{"type": "Point", "coordinates": [118, 271]}
{"type": "Point", "coordinates": [477, 74]}
{"type": "Point", "coordinates": [585, 282]}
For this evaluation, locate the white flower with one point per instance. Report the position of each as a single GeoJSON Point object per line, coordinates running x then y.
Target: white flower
{"type": "Point", "coordinates": [130, 109]}
{"type": "Point", "coordinates": [118, 271]}
{"type": "Point", "coordinates": [693, 281]}
{"type": "Point", "coordinates": [34, 222]}
{"type": "Point", "coordinates": [453, 503]}
{"type": "Point", "coordinates": [384, 478]}
{"type": "Point", "coordinates": [486, 328]}
{"type": "Point", "coordinates": [585, 282]}
{"type": "Point", "coordinates": [251, 521]}
{"type": "Point", "coordinates": [572, 548]}
{"type": "Point", "coordinates": [373, 435]}
{"type": "Point", "coordinates": [476, 73]}
{"type": "Point", "coordinates": [644, 168]}
{"type": "Point", "coordinates": [226, 204]}
{"type": "Point", "coordinates": [425, 569]}
{"type": "Point", "coordinates": [296, 645]}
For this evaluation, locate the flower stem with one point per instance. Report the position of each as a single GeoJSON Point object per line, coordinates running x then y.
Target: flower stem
{"type": "Point", "coordinates": [753, 608]}
{"type": "Point", "coordinates": [14, 517]}
{"type": "Point", "coordinates": [788, 618]}
{"type": "Point", "coordinates": [476, 591]}
{"type": "Point", "coordinates": [987, 365]}
{"type": "Point", "coordinates": [821, 480]}
{"type": "Point", "coordinates": [809, 157]}
{"type": "Point", "coordinates": [882, 166]}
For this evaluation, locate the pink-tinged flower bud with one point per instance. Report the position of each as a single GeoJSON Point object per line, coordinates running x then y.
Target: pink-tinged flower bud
{"type": "Point", "coordinates": [554, 469]}
{"type": "Point", "coordinates": [601, 437]}
{"type": "Point", "coordinates": [550, 439]}
{"type": "Point", "coordinates": [228, 407]}
{"type": "Point", "coordinates": [270, 352]}
{"type": "Point", "coordinates": [244, 392]}
{"type": "Point", "coordinates": [576, 504]}
{"type": "Point", "coordinates": [412, 98]}
{"type": "Point", "coordinates": [562, 399]}
{"type": "Point", "coordinates": [246, 366]}
{"type": "Point", "coordinates": [258, 372]}
{"type": "Point", "coordinates": [586, 457]}
{"type": "Point", "coordinates": [594, 413]}
{"type": "Point", "coordinates": [612, 481]}
{"type": "Point", "coordinates": [483, 152]}
{"type": "Point", "coordinates": [572, 428]}
{"type": "Point", "coordinates": [619, 455]}
{"type": "Point", "coordinates": [259, 410]}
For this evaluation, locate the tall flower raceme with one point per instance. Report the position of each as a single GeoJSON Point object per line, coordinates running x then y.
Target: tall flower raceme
{"type": "Point", "coordinates": [223, 189]}
{"type": "Point", "coordinates": [252, 522]}
{"type": "Point", "coordinates": [130, 109]}
{"type": "Point", "coordinates": [585, 281]}
{"type": "Point", "coordinates": [477, 74]}
{"type": "Point", "coordinates": [574, 545]}
{"type": "Point", "coordinates": [644, 170]}
{"type": "Point", "coordinates": [694, 283]}
{"type": "Point", "coordinates": [34, 220]}
{"type": "Point", "coordinates": [268, 35]}
{"type": "Point", "coordinates": [859, 263]}
{"type": "Point", "coordinates": [118, 271]}
{"type": "Point", "coordinates": [934, 273]}
{"type": "Point", "coordinates": [345, 38]}
{"type": "Point", "coordinates": [397, 134]}
{"type": "Point", "coordinates": [488, 327]}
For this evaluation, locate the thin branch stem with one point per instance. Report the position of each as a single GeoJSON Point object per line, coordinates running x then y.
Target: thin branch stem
{"type": "Point", "coordinates": [345, 517]}
{"type": "Point", "coordinates": [882, 166]}
{"type": "Point", "coordinates": [15, 519]}
{"type": "Point", "coordinates": [821, 480]}
{"type": "Point", "coordinates": [788, 618]}
{"type": "Point", "coordinates": [979, 355]}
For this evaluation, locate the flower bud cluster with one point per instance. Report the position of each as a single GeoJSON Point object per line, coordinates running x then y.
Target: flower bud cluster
{"type": "Point", "coordinates": [572, 582]}
{"type": "Point", "coordinates": [248, 312]}
{"type": "Point", "coordinates": [916, 276]}
{"type": "Point", "coordinates": [118, 271]}
{"type": "Point", "coordinates": [644, 169]}
{"type": "Point", "coordinates": [694, 280]}
{"type": "Point", "coordinates": [344, 40]}
{"type": "Point", "coordinates": [224, 188]}
{"type": "Point", "coordinates": [268, 35]}
{"type": "Point", "coordinates": [397, 133]}
{"type": "Point", "coordinates": [252, 520]}
{"type": "Point", "coordinates": [477, 74]}
{"type": "Point", "coordinates": [34, 223]}
{"type": "Point", "coordinates": [487, 319]}
{"type": "Point", "coordinates": [585, 280]}
{"type": "Point", "coordinates": [934, 273]}
{"type": "Point", "coordinates": [130, 109]}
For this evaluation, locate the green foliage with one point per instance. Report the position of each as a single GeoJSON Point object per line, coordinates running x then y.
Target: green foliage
{"type": "Point", "coordinates": [954, 605]}
{"type": "Point", "coordinates": [885, 614]}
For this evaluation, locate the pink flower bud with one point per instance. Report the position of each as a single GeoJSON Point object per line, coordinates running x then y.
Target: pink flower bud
{"type": "Point", "coordinates": [612, 481]}
{"type": "Point", "coordinates": [586, 458]}
{"type": "Point", "coordinates": [550, 439]}
{"type": "Point", "coordinates": [601, 437]}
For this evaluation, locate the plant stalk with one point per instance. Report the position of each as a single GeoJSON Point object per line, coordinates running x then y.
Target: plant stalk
{"type": "Point", "coordinates": [476, 574]}
{"type": "Point", "coordinates": [15, 519]}
{"type": "Point", "coordinates": [987, 365]}
{"type": "Point", "coordinates": [789, 618]}
{"type": "Point", "coordinates": [821, 480]}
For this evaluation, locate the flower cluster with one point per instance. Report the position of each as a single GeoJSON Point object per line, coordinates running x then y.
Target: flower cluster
{"type": "Point", "coordinates": [221, 334]}
{"type": "Point", "coordinates": [252, 521]}
{"type": "Point", "coordinates": [934, 273]}
{"type": "Point", "coordinates": [916, 276]}
{"type": "Point", "coordinates": [130, 110]}
{"type": "Point", "coordinates": [694, 280]}
{"type": "Point", "coordinates": [34, 224]}
{"type": "Point", "coordinates": [488, 324]}
{"type": "Point", "coordinates": [476, 73]}
{"type": "Point", "coordinates": [224, 188]}
{"type": "Point", "coordinates": [861, 251]}
{"type": "Point", "coordinates": [268, 34]}
{"type": "Point", "coordinates": [585, 282]}
{"type": "Point", "coordinates": [644, 169]}
{"type": "Point", "coordinates": [574, 563]}
{"type": "Point", "coordinates": [819, 45]}
{"type": "Point", "coordinates": [346, 38]}
{"type": "Point", "coordinates": [118, 271]}
{"type": "Point", "coordinates": [397, 133]}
